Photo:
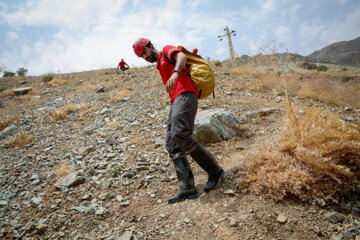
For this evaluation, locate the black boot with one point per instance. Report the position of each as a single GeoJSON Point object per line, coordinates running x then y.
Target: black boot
{"type": "Point", "coordinates": [186, 181]}
{"type": "Point", "coordinates": [207, 161]}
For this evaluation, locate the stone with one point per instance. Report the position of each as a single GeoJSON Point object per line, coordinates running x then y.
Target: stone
{"type": "Point", "coordinates": [233, 222]}
{"type": "Point", "coordinates": [3, 88]}
{"type": "Point", "coordinates": [3, 203]}
{"type": "Point", "coordinates": [334, 217]}
{"type": "Point", "coordinates": [229, 192]}
{"type": "Point", "coordinates": [348, 235]}
{"type": "Point", "coordinates": [69, 180]}
{"type": "Point", "coordinates": [215, 125]}
{"type": "Point", "coordinates": [281, 218]}
{"type": "Point", "coordinates": [21, 91]}
{"type": "Point", "coordinates": [35, 201]}
{"type": "Point", "coordinates": [320, 202]}
{"type": "Point", "coordinates": [245, 216]}
{"type": "Point", "coordinates": [100, 89]}
{"type": "Point", "coordinates": [9, 131]}
{"type": "Point", "coordinates": [100, 211]}
{"type": "Point", "coordinates": [128, 235]}
{"type": "Point", "coordinates": [40, 228]}
{"type": "Point", "coordinates": [105, 111]}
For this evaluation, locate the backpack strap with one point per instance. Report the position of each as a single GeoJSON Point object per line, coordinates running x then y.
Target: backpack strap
{"type": "Point", "coordinates": [173, 63]}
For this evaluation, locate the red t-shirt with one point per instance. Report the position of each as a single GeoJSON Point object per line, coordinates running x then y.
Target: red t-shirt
{"type": "Point", "coordinates": [183, 83]}
{"type": "Point", "coordinates": [122, 64]}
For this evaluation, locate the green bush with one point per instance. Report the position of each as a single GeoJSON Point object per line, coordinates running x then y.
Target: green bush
{"type": "Point", "coordinates": [308, 65]}
{"type": "Point", "coordinates": [217, 63]}
{"type": "Point", "coordinates": [21, 71]}
{"type": "Point", "coordinates": [8, 74]}
{"type": "Point", "coordinates": [48, 77]}
{"type": "Point", "coordinates": [322, 68]}
{"type": "Point", "coordinates": [344, 69]}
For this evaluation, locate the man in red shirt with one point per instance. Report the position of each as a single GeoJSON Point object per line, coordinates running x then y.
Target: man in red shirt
{"type": "Point", "coordinates": [180, 125]}
{"type": "Point", "coordinates": [121, 66]}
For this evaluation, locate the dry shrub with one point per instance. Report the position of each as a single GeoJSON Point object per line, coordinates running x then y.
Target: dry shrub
{"type": "Point", "coordinates": [268, 82]}
{"type": "Point", "coordinates": [58, 115]}
{"type": "Point", "coordinates": [21, 139]}
{"type": "Point", "coordinates": [118, 96]}
{"type": "Point", "coordinates": [240, 71]}
{"type": "Point", "coordinates": [316, 155]}
{"type": "Point", "coordinates": [331, 92]}
{"type": "Point", "coordinates": [70, 108]}
{"type": "Point", "coordinates": [320, 88]}
{"type": "Point", "coordinates": [7, 121]}
{"type": "Point", "coordinates": [57, 81]}
{"type": "Point", "coordinates": [62, 170]}
{"type": "Point", "coordinates": [7, 92]}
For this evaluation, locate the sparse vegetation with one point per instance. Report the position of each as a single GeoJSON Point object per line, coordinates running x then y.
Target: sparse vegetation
{"type": "Point", "coordinates": [57, 81]}
{"type": "Point", "coordinates": [309, 66]}
{"type": "Point", "coordinates": [344, 69]}
{"type": "Point", "coordinates": [8, 74]}
{"type": "Point", "coordinates": [21, 139]}
{"type": "Point", "coordinates": [21, 71]}
{"type": "Point", "coordinates": [58, 115]}
{"type": "Point", "coordinates": [316, 155]}
{"type": "Point", "coordinates": [7, 121]}
{"type": "Point", "coordinates": [217, 63]}
{"type": "Point", "coordinates": [48, 77]}
{"type": "Point", "coordinates": [322, 68]}
{"type": "Point", "coordinates": [62, 170]}
{"type": "Point", "coordinates": [346, 79]}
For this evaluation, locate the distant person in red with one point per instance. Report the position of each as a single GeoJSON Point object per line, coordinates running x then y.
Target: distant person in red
{"type": "Point", "coordinates": [122, 67]}
{"type": "Point", "coordinates": [195, 51]}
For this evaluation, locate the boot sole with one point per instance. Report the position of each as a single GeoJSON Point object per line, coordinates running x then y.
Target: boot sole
{"type": "Point", "coordinates": [222, 174]}
{"type": "Point", "coordinates": [183, 198]}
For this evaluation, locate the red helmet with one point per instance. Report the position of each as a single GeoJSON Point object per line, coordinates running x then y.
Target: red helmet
{"type": "Point", "coordinates": [139, 45]}
{"type": "Point", "coordinates": [195, 51]}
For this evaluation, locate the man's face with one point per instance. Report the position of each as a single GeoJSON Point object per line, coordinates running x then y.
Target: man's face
{"type": "Point", "coordinates": [149, 55]}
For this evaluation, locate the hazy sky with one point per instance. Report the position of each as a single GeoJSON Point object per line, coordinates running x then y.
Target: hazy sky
{"type": "Point", "coordinates": [61, 36]}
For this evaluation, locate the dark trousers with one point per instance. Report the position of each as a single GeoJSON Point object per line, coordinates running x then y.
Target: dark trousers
{"type": "Point", "coordinates": [180, 125]}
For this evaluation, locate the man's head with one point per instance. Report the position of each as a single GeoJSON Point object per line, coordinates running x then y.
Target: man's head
{"type": "Point", "coordinates": [145, 49]}
{"type": "Point", "coordinates": [195, 51]}
{"type": "Point", "coordinates": [122, 59]}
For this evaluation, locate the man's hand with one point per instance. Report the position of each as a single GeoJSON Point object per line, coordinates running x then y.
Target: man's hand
{"type": "Point", "coordinates": [171, 83]}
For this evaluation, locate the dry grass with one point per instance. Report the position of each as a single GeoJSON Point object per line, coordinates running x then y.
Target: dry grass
{"type": "Point", "coordinates": [21, 139]}
{"type": "Point", "coordinates": [317, 154]}
{"type": "Point", "coordinates": [62, 170]}
{"type": "Point", "coordinates": [57, 81]}
{"type": "Point", "coordinates": [70, 108]}
{"type": "Point", "coordinates": [320, 88]}
{"type": "Point", "coordinates": [331, 92]}
{"type": "Point", "coordinates": [58, 115]}
{"type": "Point", "coordinates": [7, 121]}
{"type": "Point", "coordinates": [117, 96]}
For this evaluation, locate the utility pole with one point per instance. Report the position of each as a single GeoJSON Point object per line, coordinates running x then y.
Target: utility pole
{"type": "Point", "coordinates": [228, 35]}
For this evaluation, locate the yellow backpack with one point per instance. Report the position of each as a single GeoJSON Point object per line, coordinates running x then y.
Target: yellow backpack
{"type": "Point", "coordinates": [200, 72]}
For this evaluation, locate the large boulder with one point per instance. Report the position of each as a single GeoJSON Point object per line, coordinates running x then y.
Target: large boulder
{"type": "Point", "coordinates": [215, 125]}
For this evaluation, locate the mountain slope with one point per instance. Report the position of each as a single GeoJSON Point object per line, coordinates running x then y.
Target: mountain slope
{"type": "Point", "coordinates": [345, 53]}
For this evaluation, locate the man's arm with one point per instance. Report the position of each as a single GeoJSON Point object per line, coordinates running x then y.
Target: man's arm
{"type": "Point", "coordinates": [180, 59]}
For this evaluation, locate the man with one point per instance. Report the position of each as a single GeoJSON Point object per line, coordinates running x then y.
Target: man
{"type": "Point", "coordinates": [180, 126]}
{"type": "Point", "coordinates": [121, 66]}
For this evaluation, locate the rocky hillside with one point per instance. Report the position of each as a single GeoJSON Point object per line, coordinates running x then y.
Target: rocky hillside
{"type": "Point", "coordinates": [345, 53]}
{"type": "Point", "coordinates": [107, 131]}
